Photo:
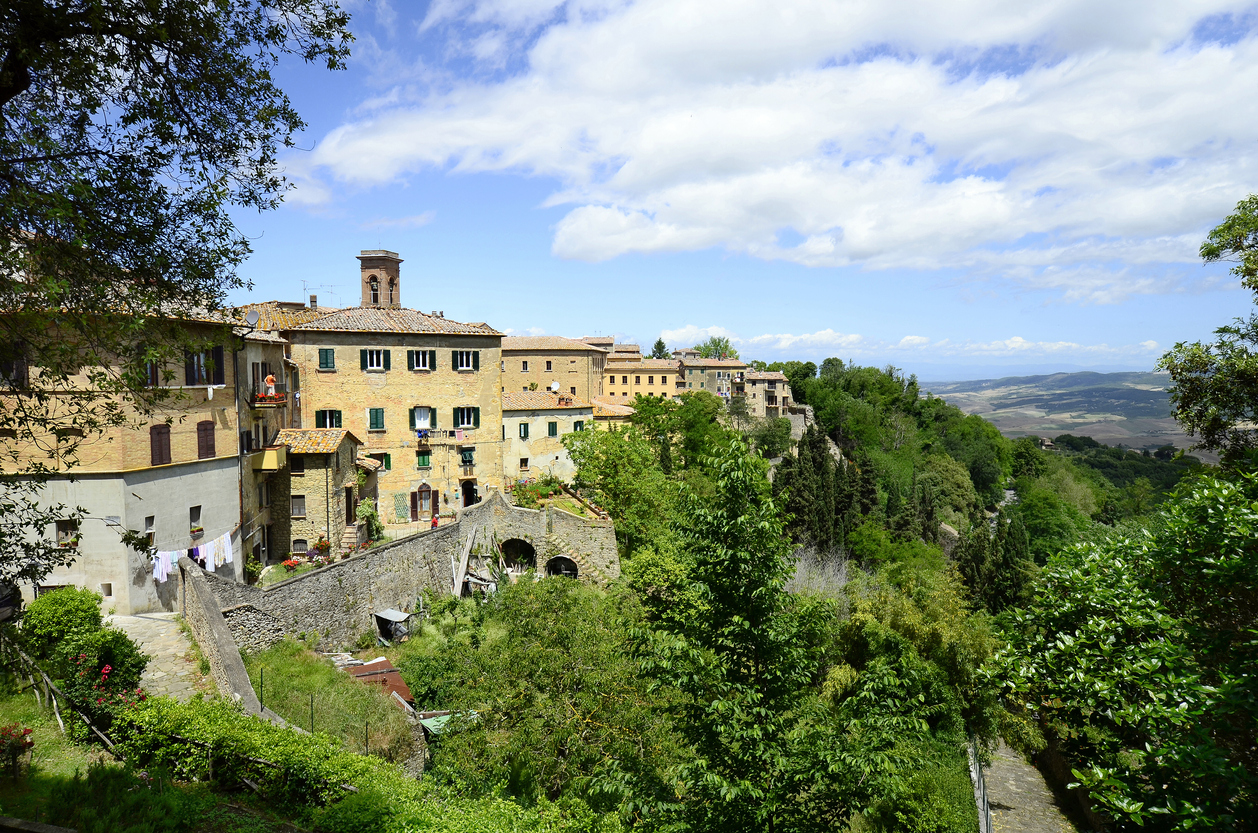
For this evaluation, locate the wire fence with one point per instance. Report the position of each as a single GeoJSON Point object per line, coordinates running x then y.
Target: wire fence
{"type": "Point", "coordinates": [980, 788]}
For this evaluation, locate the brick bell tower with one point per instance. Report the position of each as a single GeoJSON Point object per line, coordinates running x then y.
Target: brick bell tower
{"type": "Point", "coordinates": [381, 279]}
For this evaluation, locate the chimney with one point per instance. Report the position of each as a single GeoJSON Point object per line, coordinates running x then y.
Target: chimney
{"type": "Point", "coordinates": [314, 301]}
{"type": "Point", "coordinates": [381, 278]}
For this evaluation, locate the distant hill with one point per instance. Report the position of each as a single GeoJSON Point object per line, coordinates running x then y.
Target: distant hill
{"type": "Point", "coordinates": [1130, 409]}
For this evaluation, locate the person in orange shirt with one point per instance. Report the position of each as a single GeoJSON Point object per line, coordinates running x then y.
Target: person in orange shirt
{"type": "Point", "coordinates": [270, 384]}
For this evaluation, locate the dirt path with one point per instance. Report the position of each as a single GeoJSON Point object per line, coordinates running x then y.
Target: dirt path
{"type": "Point", "coordinates": [1020, 800]}
{"type": "Point", "coordinates": [169, 672]}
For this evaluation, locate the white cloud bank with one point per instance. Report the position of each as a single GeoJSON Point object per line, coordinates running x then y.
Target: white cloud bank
{"type": "Point", "coordinates": [1068, 146]}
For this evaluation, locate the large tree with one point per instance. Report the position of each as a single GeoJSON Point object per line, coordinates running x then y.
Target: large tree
{"type": "Point", "coordinates": [128, 131]}
{"type": "Point", "coordinates": [717, 347]}
{"type": "Point", "coordinates": [1214, 391]}
{"type": "Point", "coordinates": [659, 350]}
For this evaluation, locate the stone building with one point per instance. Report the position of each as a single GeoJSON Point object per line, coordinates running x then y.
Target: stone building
{"type": "Point", "coordinates": [534, 424]}
{"type": "Point", "coordinates": [423, 392]}
{"type": "Point", "coordinates": [768, 393]}
{"type": "Point", "coordinates": [717, 376]}
{"type": "Point", "coordinates": [321, 498]}
{"type": "Point", "coordinates": [541, 362]}
{"type": "Point", "coordinates": [625, 380]}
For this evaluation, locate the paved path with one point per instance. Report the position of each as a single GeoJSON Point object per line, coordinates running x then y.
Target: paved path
{"type": "Point", "coordinates": [169, 672]}
{"type": "Point", "coordinates": [1020, 800]}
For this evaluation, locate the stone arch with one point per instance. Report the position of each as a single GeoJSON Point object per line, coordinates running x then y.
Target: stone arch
{"type": "Point", "coordinates": [519, 555]}
{"type": "Point", "coordinates": [562, 565]}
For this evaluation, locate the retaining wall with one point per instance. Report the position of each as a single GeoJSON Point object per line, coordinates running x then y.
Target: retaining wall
{"type": "Point", "coordinates": [201, 611]}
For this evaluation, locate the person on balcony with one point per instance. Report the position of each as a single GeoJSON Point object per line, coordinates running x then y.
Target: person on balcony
{"type": "Point", "coordinates": [270, 384]}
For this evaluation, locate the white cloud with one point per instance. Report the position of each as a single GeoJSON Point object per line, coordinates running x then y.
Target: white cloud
{"type": "Point", "coordinates": [414, 221]}
{"type": "Point", "coordinates": [822, 339]}
{"type": "Point", "coordinates": [914, 341]}
{"type": "Point", "coordinates": [1064, 146]}
{"type": "Point", "coordinates": [691, 335]}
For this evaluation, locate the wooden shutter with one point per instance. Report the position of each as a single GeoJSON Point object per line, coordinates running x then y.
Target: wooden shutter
{"type": "Point", "coordinates": [414, 506]}
{"type": "Point", "coordinates": [205, 439]}
{"type": "Point", "coordinates": [432, 418]}
{"type": "Point", "coordinates": [475, 360]}
{"type": "Point", "coordinates": [411, 412]}
{"type": "Point", "coordinates": [159, 444]}
{"type": "Point", "coordinates": [189, 369]}
{"type": "Point", "coordinates": [388, 462]}
{"type": "Point", "coordinates": [410, 362]}
{"type": "Point", "coordinates": [388, 359]}
{"type": "Point", "coordinates": [475, 415]}
{"type": "Point", "coordinates": [436, 502]}
{"type": "Point", "coordinates": [220, 367]}
{"type": "Point", "coordinates": [362, 356]}
{"type": "Point", "coordinates": [454, 360]}
{"type": "Point", "coordinates": [432, 360]}
{"type": "Point", "coordinates": [456, 423]}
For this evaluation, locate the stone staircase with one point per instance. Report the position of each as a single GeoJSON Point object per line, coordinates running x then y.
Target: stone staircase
{"type": "Point", "coordinates": [349, 538]}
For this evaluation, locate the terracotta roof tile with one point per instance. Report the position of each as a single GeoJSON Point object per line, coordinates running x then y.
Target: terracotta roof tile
{"type": "Point", "coordinates": [645, 364]}
{"type": "Point", "coordinates": [277, 315]}
{"type": "Point", "coordinates": [546, 343]}
{"type": "Point", "coordinates": [314, 440]}
{"type": "Point", "coordinates": [382, 320]}
{"type": "Point", "coordinates": [540, 400]}
{"type": "Point", "coordinates": [769, 375]}
{"type": "Point", "coordinates": [715, 362]}
{"type": "Point", "coordinates": [605, 408]}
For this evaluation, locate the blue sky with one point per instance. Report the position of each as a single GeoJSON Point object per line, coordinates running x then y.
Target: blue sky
{"type": "Point", "coordinates": [964, 190]}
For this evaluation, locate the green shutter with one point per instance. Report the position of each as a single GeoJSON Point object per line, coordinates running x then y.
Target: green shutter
{"type": "Point", "coordinates": [362, 354]}
{"type": "Point", "coordinates": [475, 360]}
{"type": "Point", "coordinates": [454, 359]}
{"type": "Point", "coordinates": [552, 429]}
{"type": "Point", "coordinates": [411, 413]}
{"type": "Point", "coordinates": [475, 414]}
{"type": "Point", "coordinates": [388, 359]}
{"type": "Point", "coordinates": [388, 462]}
{"type": "Point", "coordinates": [432, 418]}
{"type": "Point", "coordinates": [410, 361]}
{"type": "Point", "coordinates": [337, 418]}
{"type": "Point", "coordinates": [432, 359]}
{"type": "Point", "coordinates": [455, 423]}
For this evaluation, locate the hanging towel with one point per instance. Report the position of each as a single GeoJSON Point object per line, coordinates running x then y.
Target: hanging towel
{"type": "Point", "coordinates": [227, 548]}
{"type": "Point", "coordinates": [207, 551]}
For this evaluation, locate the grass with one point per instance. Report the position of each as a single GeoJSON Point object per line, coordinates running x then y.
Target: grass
{"type": "Point", "coordinates": [342, 705]}
{"type": "Point", "coordinates": [278, 574]}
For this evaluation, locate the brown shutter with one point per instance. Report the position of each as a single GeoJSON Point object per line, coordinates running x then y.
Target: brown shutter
{"type": "Point", "coordinates": [414, 506]}
{"type": "Point", "coordinates": [205, 439]}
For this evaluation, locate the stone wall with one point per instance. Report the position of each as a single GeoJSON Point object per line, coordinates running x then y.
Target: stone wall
{"type": "Point", "coordinates": [201, 611]}
{"type": "Point", "coordinates": [337, 602]}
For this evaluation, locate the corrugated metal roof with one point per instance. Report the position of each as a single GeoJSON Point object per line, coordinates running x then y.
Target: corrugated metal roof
{"type": "Point", "coordinates": [382, 320]}
{"type": "Point", "coordinates": [547, 343]}
{"type": "Point", "coordinates": [314, 440]}
{"type": "Point", "coordinates": [541, 400]}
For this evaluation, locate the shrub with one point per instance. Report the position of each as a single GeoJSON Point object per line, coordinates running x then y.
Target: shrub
{"type": "Point", "coordinates": [364, 812]}
{"type": "Point", "coordinates": [104, 647]}
{"type": "Point", "coordinates": [14, 741]}
{"type": "Point", "coordinates": [110, 799]}
{"type": "Point", "coordinates": [57, 615]}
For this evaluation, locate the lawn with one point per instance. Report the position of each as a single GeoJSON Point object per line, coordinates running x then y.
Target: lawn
{"type": "Point", "coordinates": [295, 677]}
{"type": "Point", "coordinates": [277, 574]}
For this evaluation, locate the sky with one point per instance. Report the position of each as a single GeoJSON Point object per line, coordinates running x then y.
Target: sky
{"type": "Point", "coordinates": [964, 190]}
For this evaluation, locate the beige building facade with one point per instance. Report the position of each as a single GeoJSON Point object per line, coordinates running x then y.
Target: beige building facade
{"type": "Point", "coordinates": [625, 380]}
{"type": "Point", "coordinates": [541, 362]}
{"type": "Point", "coordinates": [717, 376]}
{"type": "Point", "coordinates": [534, 424]}
{"type": "Point", "coordinates": [767, 392]}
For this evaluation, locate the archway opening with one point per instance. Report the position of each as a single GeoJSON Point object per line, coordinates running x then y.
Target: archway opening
{"type": "Point", "coordinates": [561, 565]}
{"type": "Point", "coordinates": [519, 555]}
{"type": "Point", "coordinates": [470, 494]}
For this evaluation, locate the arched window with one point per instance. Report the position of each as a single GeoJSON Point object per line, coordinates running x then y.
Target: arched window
{"type": "Point", "coordinates": [374, 283]}
{"type": "Point", "coordinates": [391, 295]}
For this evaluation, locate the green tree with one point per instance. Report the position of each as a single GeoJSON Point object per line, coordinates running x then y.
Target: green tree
{"type": "Point", "coordinates": [771, 436]}
{"type": "Point", "coordinates": [129, 133]}
{"type": "Point", "coordinates": [620, 470]}
{"type": "Point", "coordinates": [659, 350]}
{"type": "Point", "coordinates": [1028, 459]}
{"type": "Point", "coordinates": [736, 407]}
{"type": "Point", "coordinates": [717, 347]}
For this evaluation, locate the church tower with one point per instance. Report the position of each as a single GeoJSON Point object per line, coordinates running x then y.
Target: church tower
{"type": "Point", "coordinates": [382, 283]}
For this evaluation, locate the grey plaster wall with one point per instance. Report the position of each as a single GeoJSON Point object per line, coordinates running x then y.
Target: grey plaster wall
{"type": "Point", "coordinates": [337, 602]}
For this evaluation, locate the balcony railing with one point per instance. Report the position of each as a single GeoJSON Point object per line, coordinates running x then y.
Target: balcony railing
{"type": "Point", "coordinates": [263, 397]}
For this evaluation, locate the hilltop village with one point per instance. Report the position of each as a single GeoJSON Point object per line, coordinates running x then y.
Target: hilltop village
{"type": "Point", "coordinates": [273, 441]}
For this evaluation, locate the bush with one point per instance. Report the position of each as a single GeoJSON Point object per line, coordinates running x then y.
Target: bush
{"type": "Point", "coordinates": [105, 647]}
{"type": "Point", "coordinates": [110, 799]}
{"type": "Point", "coordinates": [57, 615]}
{"type": "Point", "coordinates": [364, 812]}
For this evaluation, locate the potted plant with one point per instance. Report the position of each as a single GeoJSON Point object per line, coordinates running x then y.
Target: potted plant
{"type": "Point", "coordinates": [15, 741]}
{"type": "Point", "coordinates": [196, 531]}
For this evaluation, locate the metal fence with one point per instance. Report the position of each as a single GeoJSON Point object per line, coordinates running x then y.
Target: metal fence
{"type": "Point", "coordinates": [980, 788]}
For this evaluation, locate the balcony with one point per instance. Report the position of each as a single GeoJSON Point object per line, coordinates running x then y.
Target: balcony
{"type": "Point", "coordinates": [260, 399]}
{"type": "Point", "coordinates": [270, 459]}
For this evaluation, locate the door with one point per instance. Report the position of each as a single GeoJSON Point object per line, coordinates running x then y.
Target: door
{"type": "Point", "coordinates": [469, 493]}
{"type": "Point", "coordinates": [351, 507]}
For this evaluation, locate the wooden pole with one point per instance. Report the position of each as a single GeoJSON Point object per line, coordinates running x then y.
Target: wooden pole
{"type": "Point", "coordinates": [312, 712]}
{"type": "Point", "coordinates": [58, 714]}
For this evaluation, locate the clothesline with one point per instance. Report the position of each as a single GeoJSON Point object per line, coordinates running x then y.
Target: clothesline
{"type": "Point", "coordinates": [211, 556]}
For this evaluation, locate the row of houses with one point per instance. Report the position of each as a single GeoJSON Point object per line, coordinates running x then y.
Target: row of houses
{"type": "Point", "coordinates": [277, 438]}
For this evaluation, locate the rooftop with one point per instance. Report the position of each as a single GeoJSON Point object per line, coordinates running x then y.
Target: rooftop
{"type": "Point", "coordinates": [714, 362]}
{"type": "Point", "coordinates": [384, 320]}
{"type": "Point", "coordinates": [547, 343]}
{"type": "Point", "coordinates": [770, 375]}
{"type": "Point", "coordinates": [605, 408]}
{"type": "Point", "coordinates": [647, 364]}
{"type": "Point", "coordinates": [278, 315]}
{"type": "Point", "coordinates": [314, 440]}
{"type": "Point", "coordinates": [540, 400]}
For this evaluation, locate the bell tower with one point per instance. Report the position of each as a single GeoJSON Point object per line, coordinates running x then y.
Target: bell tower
{"type": "Point", "coordinates": [381, 279]}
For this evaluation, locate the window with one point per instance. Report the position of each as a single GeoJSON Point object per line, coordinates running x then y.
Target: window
{"type": "Point", "coordinates": [194, 514]}
{"type": "Point", "coordinates": [467, 456]}
{"type": "Point", "coordinates": [421, 359]}
{"type": "Point", "coordinates": [423, 459]}
{"type": "Point", "coordinates": [421, 501]}
{"type": "Point", "coordinates": [423, 418]}
{"type": "Point", "coordinates": [298, 510]}
{"type": "Point", "coordinates": [375, 419]}
{"type": "Point", "coordinates": [300, 546]}
{"type": "Point", "coordinates": [524, 464]}
{"type": "Point", "coordinates": [624, 380]}
{"type": "Point", "coordinates": [107, 589]}
{"type": "Point", "coordinates": [205, 368]}
{"type": "Point", "coordinates": [663, 380]}
{"type": "Point", "coordinates": [701, 384]}
{"type": "Point", "coordinates": [637, 380]}
{"type": "Point", "coordinates": [572, 391]}
{"type": "Point", "coordinates": [548, 366]}
{"type": "Point", "coordinates": [150, 529]}
{"type": "Point", "coordinates": [67, 532]}
{"type": "Point", "coordinates": [524, 430]}
{"type": "Point", "coordinates": [466, 360]}
{"type": "Point", "coordinates": [297, 464]}
{"type": "Point", "coordinates": [650, 380]}
{"type": "Point", "coordinates": [327, 419]}
{"type": "Point", "coordinates": [467, 417]}
{"type": "Point", "coordinates": [385, 460]}
{"type": "Point", "coordinates": [327, 358]}
{"type": "Point", "coordinates": [392, 292]}
{"type": "Point", "coordinates": [552, 429]}
{"type": "Point", "coordinates": [159, 444]}
{"type": "Point", "coordinates": [205, 439]}
{"type": "Point", "coordinates": [375, 359]}
{"type": "Point", "coordinates": [524, 366]}
{"type": "Point", "coordinates": [374, 285]}
{"type": "Point", "coordinates": [578, 425]}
